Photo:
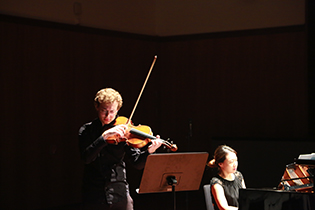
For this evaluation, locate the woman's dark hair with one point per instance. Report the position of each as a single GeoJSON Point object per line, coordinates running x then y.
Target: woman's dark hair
{"type": "Point", "coordinates": [219, 155]}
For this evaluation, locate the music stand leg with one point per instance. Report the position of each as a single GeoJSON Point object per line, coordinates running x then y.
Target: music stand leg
{"type": "Point", "coordinates": [171, 180]}
{"type": "Point", "coordinates": [174, 196]}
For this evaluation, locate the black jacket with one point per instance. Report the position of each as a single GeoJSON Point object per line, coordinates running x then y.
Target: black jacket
{"type": "Point", "coordinates": [104, 178]}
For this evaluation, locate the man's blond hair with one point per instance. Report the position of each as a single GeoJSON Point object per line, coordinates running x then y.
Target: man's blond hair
{"type": "Point", "coordinates": [108, 95]}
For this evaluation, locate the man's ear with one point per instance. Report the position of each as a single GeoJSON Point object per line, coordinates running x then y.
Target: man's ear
{"type": "Point", "coordinates": [96, 105]}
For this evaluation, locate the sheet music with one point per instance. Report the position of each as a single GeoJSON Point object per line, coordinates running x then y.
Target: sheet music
{"type": "Point", "coordinates": [307, 156]}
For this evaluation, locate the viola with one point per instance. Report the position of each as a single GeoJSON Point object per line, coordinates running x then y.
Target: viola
{"type": "Point", "coordinates": [137, 136]}
{"type": "Point", "coordinates": [141, 135]}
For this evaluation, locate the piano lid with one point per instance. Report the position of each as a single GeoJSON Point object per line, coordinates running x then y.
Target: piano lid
{"type": "Point", "coordinates": [262, 199]}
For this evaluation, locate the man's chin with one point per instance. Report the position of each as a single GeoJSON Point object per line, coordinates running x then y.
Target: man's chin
{"type": "Point", "coordinates": [106, 122]}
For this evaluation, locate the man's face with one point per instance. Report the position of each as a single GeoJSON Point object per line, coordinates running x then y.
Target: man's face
{"type": "Point", "coordinates": [107, 112]}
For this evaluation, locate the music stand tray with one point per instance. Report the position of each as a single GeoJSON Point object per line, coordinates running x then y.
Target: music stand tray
{"type": "Point", "coordinates": [186, 169]}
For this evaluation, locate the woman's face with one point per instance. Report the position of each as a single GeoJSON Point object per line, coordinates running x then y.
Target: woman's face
{"type": "Point", "coordinates": [230, 163]}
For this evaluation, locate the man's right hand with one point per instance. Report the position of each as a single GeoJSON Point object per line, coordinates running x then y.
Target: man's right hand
{"type": "Point", "coordinates": [115, 134]}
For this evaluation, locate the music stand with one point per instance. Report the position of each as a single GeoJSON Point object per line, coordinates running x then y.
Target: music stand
{"type": "Point", "coordinates": [171, 172]}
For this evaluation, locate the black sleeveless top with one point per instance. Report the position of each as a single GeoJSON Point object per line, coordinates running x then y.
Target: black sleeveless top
{"type": "Point", "coordinates": [230, 188]}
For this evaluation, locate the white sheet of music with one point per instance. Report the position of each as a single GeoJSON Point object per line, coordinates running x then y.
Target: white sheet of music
{"type": "Point", "coordinates": [307, 156]}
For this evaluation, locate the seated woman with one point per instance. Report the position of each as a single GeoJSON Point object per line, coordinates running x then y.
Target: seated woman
{"type": "Point", "coordinates": [226, 183]}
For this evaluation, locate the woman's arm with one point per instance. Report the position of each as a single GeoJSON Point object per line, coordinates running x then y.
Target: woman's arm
{"type": "Point", "coordinates": [219, 197]}
{"type": "Point", "coordinates": [243, 184]}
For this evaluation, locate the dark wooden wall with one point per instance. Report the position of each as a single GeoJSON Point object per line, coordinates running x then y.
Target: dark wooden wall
{"type": "Point", "coordinates": [247, 89]}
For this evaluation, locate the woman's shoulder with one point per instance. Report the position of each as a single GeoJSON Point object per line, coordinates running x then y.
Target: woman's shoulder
{"type": "Point", "coordinates": [239, 175]}
{"type": "Point", "coordinates": [216, 180]}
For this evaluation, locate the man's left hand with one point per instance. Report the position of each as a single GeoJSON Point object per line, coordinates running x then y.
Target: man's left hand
{"type": "Point", "coordinates": [156, 143]}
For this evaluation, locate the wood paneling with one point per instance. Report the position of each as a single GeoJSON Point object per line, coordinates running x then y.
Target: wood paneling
{"type": "Point", "coordinates": [236, 85]}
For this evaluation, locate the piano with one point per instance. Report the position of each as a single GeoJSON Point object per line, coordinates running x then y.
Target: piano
{"type": "Point", "coordinates": [295, 190]}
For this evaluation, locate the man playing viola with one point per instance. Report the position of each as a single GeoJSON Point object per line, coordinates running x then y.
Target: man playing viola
{"type": "Point", "coordinates": [104, 180]}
